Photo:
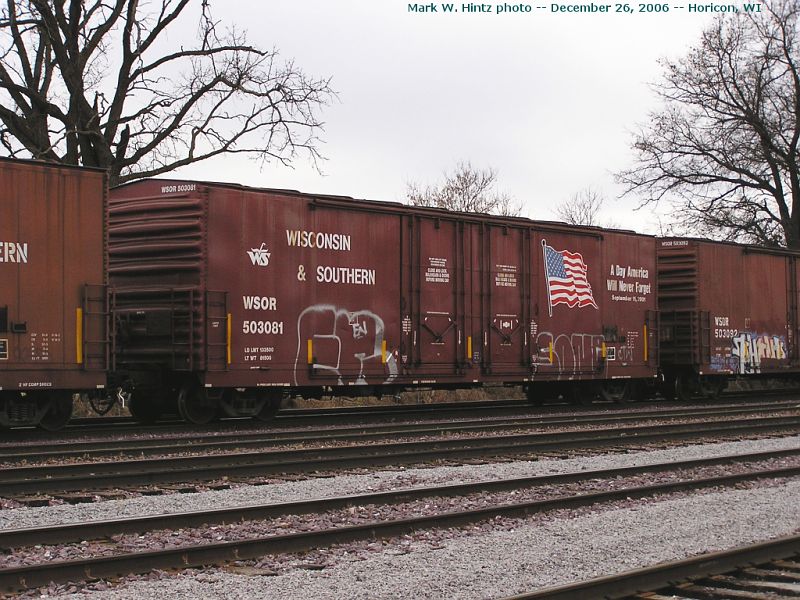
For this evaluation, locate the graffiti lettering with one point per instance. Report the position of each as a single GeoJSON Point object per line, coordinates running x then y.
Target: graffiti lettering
{"type": "Point", "coordinates": [324, 325]}
{"type": "Point", "coordinates": [359, 329]}
{"type": "Point", "coordinates": [581, 353]}
{"type": "Point", "coordinates": [750, 349]}
{"type": "Point", "coordinates": [572, 353]}
{"type": "Point", "coordinates": [724, 364]}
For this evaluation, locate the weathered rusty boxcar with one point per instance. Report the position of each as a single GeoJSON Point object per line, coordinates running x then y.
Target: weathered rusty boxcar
{"type": "Point", "coordinates": [606, 333]}
{"type": "Point", "coordinates": [52, 299]}
{"type": "Point", "coordinates": [726, 309]}
{"type": "Point", "coordinates": [232, 295]}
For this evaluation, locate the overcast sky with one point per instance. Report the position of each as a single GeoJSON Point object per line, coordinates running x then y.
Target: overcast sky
{"type": "Point", "coordinates": [548, 100]}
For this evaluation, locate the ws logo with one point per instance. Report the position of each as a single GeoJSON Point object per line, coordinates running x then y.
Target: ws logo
{"type": "Point", "coordinates": [259, 256]}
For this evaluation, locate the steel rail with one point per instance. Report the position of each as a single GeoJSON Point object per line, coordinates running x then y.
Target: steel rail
{"type": "Point", "coordinates": [26, 577]}
{"type": "Point", "coordinates": [15, 538]}
{"type": "Point", "coordinates": [723, 399]}
{"type": "Point", "coordinates": [287, 419]}
{"type": "Point", "coordinates": [666, 574]}
{"type": "Point", "coordinates": [299, 416]}
{"type": "Point", "coordinates": [261, 438]}
{"type": "Point", "coordinates": [102, 475]}
{"type": "Point", "coordinates": [310, 416]}
{"type": "Point", "coordinates": [81, 426]}
{"type": "Point", "coordinates": [765, 398]}
{"type": "Point", "coordinates": [388, 408]}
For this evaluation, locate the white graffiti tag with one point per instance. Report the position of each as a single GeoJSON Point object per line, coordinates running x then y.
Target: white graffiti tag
{"type": "Point", "coordinates": [359, 328]}
{"type": "Point", "coordinates": [572, 354]}
{"type": "Point", "coordinates": [335, 336]}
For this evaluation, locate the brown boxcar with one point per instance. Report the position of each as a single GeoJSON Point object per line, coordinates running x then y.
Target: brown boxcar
{"type": "Point", "coordinates": [230, 296]}
{"type": "Point", "coordinates": [726, 309]}
{"type": "Point", "coordinates": [52, 303]}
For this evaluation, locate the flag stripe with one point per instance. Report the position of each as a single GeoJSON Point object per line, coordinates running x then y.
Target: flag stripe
{"type": "Point", "coordinates": [566, 278]}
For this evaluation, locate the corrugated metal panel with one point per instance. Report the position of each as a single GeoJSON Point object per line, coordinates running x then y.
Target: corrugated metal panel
{"type": "Point", "coordinates": [677, 277]}
{"type": "Point", "coordinates": [164, 236]}
{"type": "Point", "coordinates": [157, 264]}
{"type": "Point", "coordinates": [678, 289]}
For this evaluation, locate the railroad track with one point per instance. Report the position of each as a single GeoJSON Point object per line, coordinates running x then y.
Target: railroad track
{"type": "Point", "coordinates": [113, 565]}
{"type": "Point", "coordinates": [61, 478]}
{"type": "Point", "coordinates": [90, 449]}
{"type": "Point", "coordinates": [765, 571]}
{"type": "Point", "coordinates": [289, 417]}
{"type": "Point", "coordinates": [302, 416]}
{"type": "Point", "coordinates": [298, 417]}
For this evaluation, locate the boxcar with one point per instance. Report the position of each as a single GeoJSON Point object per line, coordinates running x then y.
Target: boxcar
{"type": "Point", "coordinates": [229, 296]}
{"type": "Point", "coordinates": [726, 310]}
{"type": "Point", "coordinates": [52, 300]}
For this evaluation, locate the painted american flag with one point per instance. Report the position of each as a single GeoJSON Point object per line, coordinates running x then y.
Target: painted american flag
{"type": "Point", "coordinates": [566, 278]}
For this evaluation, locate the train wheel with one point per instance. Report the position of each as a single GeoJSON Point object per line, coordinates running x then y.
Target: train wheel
{"type": "Point", "coordinates": [617, 390]}
{"type": "Point", "coordinates": [580, 394]}
{"type": "Point", "coordinates": [58, 413]}
{"type": "Point", "coordinates": [144, 408]}
{"type": "Point", "coordinates": [195, 406]}
{"type": "Point", "coordinates": [534, 395]}
{"type": "Point", "coordinates": [684, 388]}
{"type": "Point", "coordinates": [711, 387]}
{"type": "Point", "coordinates": [5, 421]}
{"type": "Point", "coordinates": [268, 412]}
{"type": "Point", "coordinates": [272, 405]}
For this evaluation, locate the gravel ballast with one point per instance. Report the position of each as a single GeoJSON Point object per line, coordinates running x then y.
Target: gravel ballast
{"type": "Point", "coordinates": [488, 560]}
{"type": "Point", "coordinates": [515, 559]}
{"type": "Point", "coordinates": [366, 513]}
{"type": "Point", "coordinates": [363, 483]}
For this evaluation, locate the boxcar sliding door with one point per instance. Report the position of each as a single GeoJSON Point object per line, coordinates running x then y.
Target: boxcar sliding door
{"type": "Point", "coordinates": [437, 295]}
{"type": "Point", "coordinates": [505, 298]}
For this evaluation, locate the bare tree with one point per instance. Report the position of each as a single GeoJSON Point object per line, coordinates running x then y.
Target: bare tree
{"type": "Point", "coordinates": [98, 83]}
{"type": "Point", "coordinates": [466, 189]}
{"type": "Point", "coordinates": [582, 208]}
{"type": "Point", "coordinates": [724, 148]}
